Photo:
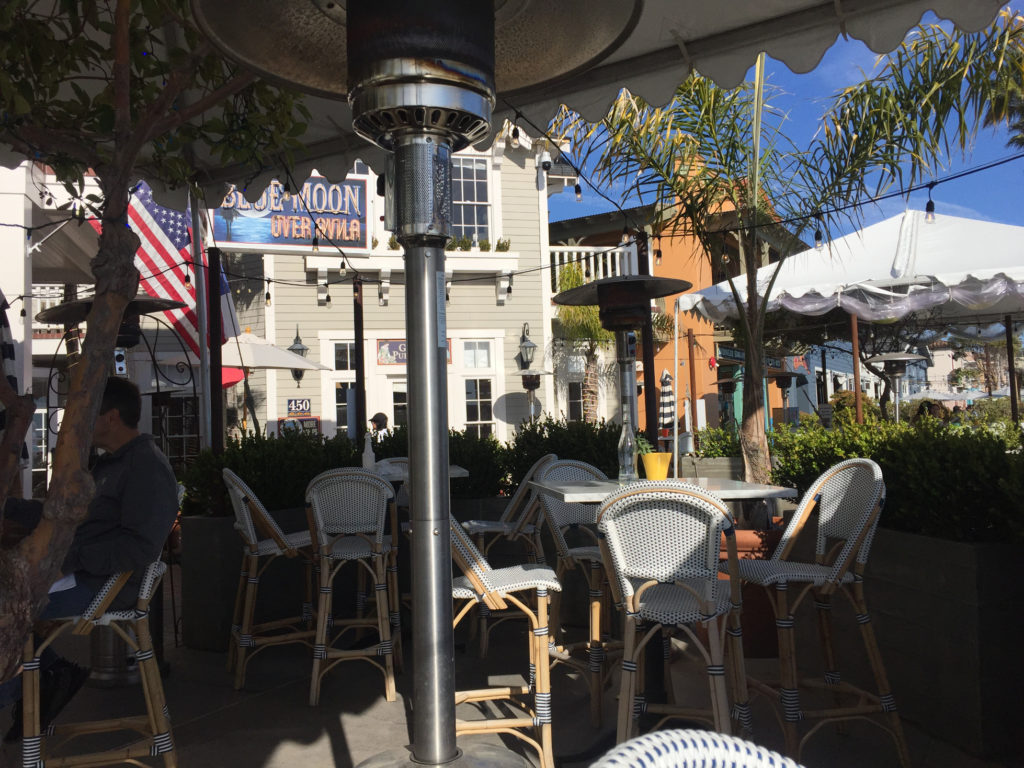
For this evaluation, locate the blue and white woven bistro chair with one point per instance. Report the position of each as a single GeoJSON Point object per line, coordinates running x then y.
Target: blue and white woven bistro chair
{"type": "Point", "coordinates": [263, 542]}
{"type": "Point", "coordinates": [573, 530]}
{"type": "Point", "coordinates": [662, 541]}
{"type": "Point", "coordinates": [132, 625]}
{"type": "Point", "coordinates": [525, 589]}
{"type": "Point", "coordinates": [348, 510]}
{"type": "Point", "coordinates": [847, 500]}
{"type": "Point", "coordinates": [518, 524]}
{"type": "Point", "coordinates": [691, 749]}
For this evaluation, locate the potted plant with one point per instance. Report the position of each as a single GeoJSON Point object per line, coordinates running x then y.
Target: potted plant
{"type": "Point", "coordinates": [655, 462]}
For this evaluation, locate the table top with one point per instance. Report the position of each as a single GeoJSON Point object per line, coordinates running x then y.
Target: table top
{"type": "Point", "coordinates": [595, 491]}
{"type": "Point", "coordinates": [400, 472]}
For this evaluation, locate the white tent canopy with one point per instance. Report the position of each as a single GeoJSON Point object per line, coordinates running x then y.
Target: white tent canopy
{"type": "Point", "coordinates": [654, 49]}
{"type": "Point", "coordinates": [963, 270]}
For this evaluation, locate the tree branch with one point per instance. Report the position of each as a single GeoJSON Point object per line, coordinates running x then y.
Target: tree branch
{"type": "Point", "coordinates": [230, 88]}
{"type": "Point", "coordinates": [122, 72]}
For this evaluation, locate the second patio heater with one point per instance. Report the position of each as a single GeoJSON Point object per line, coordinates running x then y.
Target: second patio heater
{"type": "Point", "coordinates": [895, 364]}
{"type": "Point", "coordinates": [420, 79]}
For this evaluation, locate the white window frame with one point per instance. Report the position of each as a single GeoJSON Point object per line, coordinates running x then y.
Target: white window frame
{"type": "Point", "coordinates": [458, 230]}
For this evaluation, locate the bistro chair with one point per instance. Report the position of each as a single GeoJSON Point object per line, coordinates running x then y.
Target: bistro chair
{"type": "Point", "coordinates": [518, 524]}
{"type": "Point", "coordinates": [661, 543]}
{"type": "Point", "coordinates": [348, 509]}
{"type": "Point", "coordinates": [391, 542]}
{"type": "Point", "coordinates": [263, 542]}
{"type": "Point", "coordinates": [847, 499]}
{"type": "Point", "coordinates": [691, 749]}
{"type": "Point", "coordinates": [524, 589]}
{"type": "Point", "coordinates": [578, 521]}
{"type": "Point", "coordinates": [132, 625]}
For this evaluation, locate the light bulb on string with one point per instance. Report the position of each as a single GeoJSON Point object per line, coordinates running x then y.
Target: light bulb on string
{"type": "Point", "coordinates": [657, 253]}
{"type": "Point", "coordinates": [514, 141]}
{"type": "Point", "coordinates": [579, 193]}
{"type": "Point", "coordinates": [929, 208]}
{"type": "Point", "coordinates": [316, 244]}
{"type": "Point", "coordinates": [342, 270]}
{"type": "Point", "coordinates": [267, 298]}
{"type": "Point", "coordinates": [625, 236]}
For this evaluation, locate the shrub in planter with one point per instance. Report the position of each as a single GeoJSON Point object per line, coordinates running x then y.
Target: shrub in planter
{"type": "Point", "coordinates": [595, 443]}
{"type": "Point", "coordinates": [717, 443]}
{"type": "Point", "coordinates": [277, 468]}
{"type": "Point", "coordinates": [942, 481]}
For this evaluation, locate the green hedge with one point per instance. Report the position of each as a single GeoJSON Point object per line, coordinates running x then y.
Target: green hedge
{"type": "Point", "coordinates": [594, 443]}
{"type": "Point", "coordinates": [941, 480]}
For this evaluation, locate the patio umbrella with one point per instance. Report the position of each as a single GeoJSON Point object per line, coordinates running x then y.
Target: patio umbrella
{"type": "Point", "coordinates": [246, 350]}
{"type": "Point", "coordinates": [936, 395]}
{"type": "Point", "coordinates": [666, 405]}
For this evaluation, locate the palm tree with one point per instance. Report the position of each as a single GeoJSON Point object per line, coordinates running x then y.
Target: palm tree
{"type": "Point", "coordinates": [720, 162]}
{"type": "Point", "coordinates": [581, 332]}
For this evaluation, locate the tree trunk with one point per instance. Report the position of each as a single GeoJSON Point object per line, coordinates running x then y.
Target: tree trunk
{"type": "Point", "coordinates": [590, 386]}
{"type": "Point", "coordinates": [753, 440]}
{"type": "Point", "coordinates": [28, 570]}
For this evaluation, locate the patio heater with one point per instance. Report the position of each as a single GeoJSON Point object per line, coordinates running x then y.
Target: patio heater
{"type": "Point", "coordinates": [895, 365]}
{"type": "Point", "coordinates": [623, 304]}
{"type": "Point", "coordinates": [783, 380]}
{"type": "Point", "coordinates": [420, 79]}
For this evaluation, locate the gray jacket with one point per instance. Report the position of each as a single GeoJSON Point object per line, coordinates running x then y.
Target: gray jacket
{"type": "Point", "coordinates": [129, 517]}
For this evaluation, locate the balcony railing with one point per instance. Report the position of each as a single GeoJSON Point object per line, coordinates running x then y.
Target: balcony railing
{"type": "Point", "coordinates": [596, 262]}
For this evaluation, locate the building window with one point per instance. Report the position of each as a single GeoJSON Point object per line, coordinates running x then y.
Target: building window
{"type": "Point", "coordinates": [476, 354]}
{"type": "Point", "coordinates": [478, 407]}
{"type": "Point", "coordinates": [342, 411]}
{"type": "Point", "coordinates": [344, 356]}
{"type": "Point", "coordinates": [176, 427]}
{"type": "Point", "coordinates": [575, 401]}
{"type": "Point", "coordinates": [470, 206]}
{"type": "Point", "coordinates": [400, 405]}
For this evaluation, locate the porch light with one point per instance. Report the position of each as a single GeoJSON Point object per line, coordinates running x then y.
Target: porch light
{"type": "Point", "coordinates": [300, 349]}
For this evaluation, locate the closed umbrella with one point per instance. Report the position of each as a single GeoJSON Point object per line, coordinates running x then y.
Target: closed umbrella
{"type": "Point", "coordinates": [666, 406]}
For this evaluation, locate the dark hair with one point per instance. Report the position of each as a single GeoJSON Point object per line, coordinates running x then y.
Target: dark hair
{"type": "Point", "coordinates": [124, 396]}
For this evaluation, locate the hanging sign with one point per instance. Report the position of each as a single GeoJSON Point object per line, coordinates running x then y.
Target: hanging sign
{"type": "Point", "coordinates": [396, 351]}
{"type": "Point", "coordinates": [298, 406]}
{"type": "Point", "coordinates": [335, 213]}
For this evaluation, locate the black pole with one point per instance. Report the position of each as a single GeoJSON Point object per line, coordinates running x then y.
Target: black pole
{"type": "Point", "coordinates": [360, 362]}
{"type": "Point", "coordinates": [215, 331]}
{"type": "Point", "coordinates": [1014, 403]}
{"type": "Point", "coordinates": [647, 340]}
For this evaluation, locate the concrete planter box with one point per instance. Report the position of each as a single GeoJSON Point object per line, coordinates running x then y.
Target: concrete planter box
{"type": "Point", "coordinates": [211, 559]}
{"type": "Point", "coordinates": [949, 618]}
{"type": "Point", "coordinates": [693, 466]}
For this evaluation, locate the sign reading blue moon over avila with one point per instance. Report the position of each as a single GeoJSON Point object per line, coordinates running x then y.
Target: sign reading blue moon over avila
{"type": "Point", "coordinates": [335, 213]}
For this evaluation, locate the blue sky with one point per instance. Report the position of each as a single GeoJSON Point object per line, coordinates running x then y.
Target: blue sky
{"type": "Point", "coordinates": [995, 195]}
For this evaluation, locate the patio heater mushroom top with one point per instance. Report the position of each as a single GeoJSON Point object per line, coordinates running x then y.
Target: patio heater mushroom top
{"type": "Point", "coordinates": [623, 302]}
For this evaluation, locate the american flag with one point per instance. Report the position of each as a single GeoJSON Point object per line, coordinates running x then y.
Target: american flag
{"type": "Point", "coordinates": [164, 258]}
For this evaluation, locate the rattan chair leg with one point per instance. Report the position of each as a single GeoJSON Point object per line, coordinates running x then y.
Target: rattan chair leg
{"type": "Point", "coordinates": [236, 616]}
{"type": "Point", "coordinates": [789, 692]}
{"type": "Point", "coordinates": [716, 676]}
{"type": "Point", "coordinates": [738, 672]}
{"type": "Point", "coordinates": [245, 632]}
{"type": "Point", "coordinates": [395, 610]}
{"type": "Point", "coordinates": [384, 627]}
{"type": "Point", "coordinates": [628, 684]}
{"type": "Point", "coordinates": [823, 607]}
{"type": "Point", "coordinates": [666, 665]}
{"type": "Point", "coordinates": [595, 647]}
{"type": "Point", "coordinates": [542, 681]}
{"type": "Point", "coordinates": [153, 691]}
{"type": "Point", "coordinates": [888, 703]}
{"type": "Point", "coordinates": [555, 616]}
{"type": "Point", "coordinates": [31, 745]}
{"type": "Point", "coordinates": [320, 643]}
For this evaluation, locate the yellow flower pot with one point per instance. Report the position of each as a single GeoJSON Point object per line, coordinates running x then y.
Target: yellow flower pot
{"type": "Point", "coordinates": [656, 465]}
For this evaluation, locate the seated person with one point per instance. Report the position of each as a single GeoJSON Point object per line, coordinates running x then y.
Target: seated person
{"type": "Point", "coordinates": [128, 520]}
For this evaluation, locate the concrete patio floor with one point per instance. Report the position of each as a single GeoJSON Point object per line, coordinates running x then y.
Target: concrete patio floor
{"type": "Point", "coordinates": [270, 725]}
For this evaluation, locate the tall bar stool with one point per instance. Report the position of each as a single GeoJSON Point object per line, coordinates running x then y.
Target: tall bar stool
{"type": "Point", "coordinates": [662, 541]}
{"type": "Point", "coordinates": [132, 625]}
{"type": "Point", "coordinates": [518, 523]}
{"type": "Point", "coordinates": [510, 589]}
{"type": "Point", "coordinates": [263, 542]}
{"type": "Point", "coordinates": [848, 498]}
{"type": "Point", "coordinates": [348, 509]}
{"type": "Point", "coordinates": [563, 518]}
